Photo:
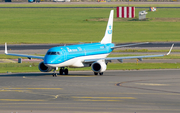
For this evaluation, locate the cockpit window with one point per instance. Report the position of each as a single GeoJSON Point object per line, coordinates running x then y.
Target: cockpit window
{"type": "Point", "coordinates": [53, 53]}
{"type": "Point", "coordinates": [58, 53]}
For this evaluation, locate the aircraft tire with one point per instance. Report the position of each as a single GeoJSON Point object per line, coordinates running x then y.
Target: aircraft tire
{"type": "Point", "coordinates": [54, 74]}
{"type": "Point", "coordinates": [95, 73]}
{"type": "Point", "coordinates": [61, 71]}
{"type": "Point", "coordinates": [66, 71]}
{"type": "Point", "coordinates": [101, 73]}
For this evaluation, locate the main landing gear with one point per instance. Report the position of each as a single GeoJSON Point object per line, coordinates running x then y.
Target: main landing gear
{"type": "Point", "coordinates": [63, 70]}
{"type": "Point", "coordinates": [99, 73]}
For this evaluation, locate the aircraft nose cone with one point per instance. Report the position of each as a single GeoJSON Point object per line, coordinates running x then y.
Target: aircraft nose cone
{"type": "Point", "coordinates": [51, 59]}
{"type": "Point", "coordinates": [48, 60]}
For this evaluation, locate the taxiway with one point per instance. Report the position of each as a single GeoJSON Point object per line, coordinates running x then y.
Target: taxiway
{"type": "Point", "coordinates": [144, 91]}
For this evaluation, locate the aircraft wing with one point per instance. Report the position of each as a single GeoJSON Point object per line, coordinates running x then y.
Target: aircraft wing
{"type": "Point", "coordinates": [22, 55]}
{"type": "Point", "coordinates": [128, 45]}
{"type": "Point", "coordinates": [120, 59]}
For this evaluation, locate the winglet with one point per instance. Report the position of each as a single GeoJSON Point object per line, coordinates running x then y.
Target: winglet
{"type": "Point", "coordinates": [6, 49]}
{"type": "Point", "coordinates": [170, 49]}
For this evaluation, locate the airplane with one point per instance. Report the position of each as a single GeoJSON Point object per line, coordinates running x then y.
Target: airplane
{"type": "Point", "coordinates": [92, 55]}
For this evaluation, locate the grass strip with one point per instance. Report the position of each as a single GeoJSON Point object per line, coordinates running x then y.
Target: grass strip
{"type": "Point", "coordinates": [55, 25]}
{"type": "Point", "coordinates": [33, 67]}
{"type": "Point", "coordinates": [15, 67]}
{"type": "Point", "coordinates": [89, 5]}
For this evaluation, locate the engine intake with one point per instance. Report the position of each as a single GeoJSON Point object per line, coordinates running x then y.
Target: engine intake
{"type": "Point", "coordinates": [43, 68]}
{"type": "Point", "coordinates": [99, 66]}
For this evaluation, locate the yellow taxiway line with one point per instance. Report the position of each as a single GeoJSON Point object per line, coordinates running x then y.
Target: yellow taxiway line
{"type": "Point", "coordinates": [104, 97]}
{"type": "Point", "coordinates": [17, 100]}
{"type": "Point", "coordinates": [32, 88]}
{"type": "Point", "coordinates": [152, 84]}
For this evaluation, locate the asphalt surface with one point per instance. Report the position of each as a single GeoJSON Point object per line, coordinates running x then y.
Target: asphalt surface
{"type": "Point", "coordinates": [148, 91]}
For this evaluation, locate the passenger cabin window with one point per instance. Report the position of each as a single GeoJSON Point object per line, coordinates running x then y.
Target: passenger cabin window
{"type": "Point", "coordinates": [53, 53]}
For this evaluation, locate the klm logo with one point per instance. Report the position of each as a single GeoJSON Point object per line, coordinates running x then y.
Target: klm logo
{"type": "Point", "coordinates": [110, 30]}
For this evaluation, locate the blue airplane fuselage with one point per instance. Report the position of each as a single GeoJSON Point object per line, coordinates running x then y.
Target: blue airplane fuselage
{"type": "Point", "coordinates": [57, 55]}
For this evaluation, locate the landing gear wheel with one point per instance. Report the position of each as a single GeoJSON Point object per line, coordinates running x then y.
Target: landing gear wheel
{"type": "Point", "coordinates": [54, 75]}
{"type": "Point", "coordinates": [66, 71]}
{"type": "Point", "coordinates": [61, 71]}
{"type": "Point", "coordinates": [101, 73]}
{"type": "Point", "coordinates": [95, 73]}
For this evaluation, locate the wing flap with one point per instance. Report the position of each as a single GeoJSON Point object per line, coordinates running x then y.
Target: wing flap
{"type": "Point", "coordinates": [131, 57]}
{"type": "Point", "coordinates": [108, 59]}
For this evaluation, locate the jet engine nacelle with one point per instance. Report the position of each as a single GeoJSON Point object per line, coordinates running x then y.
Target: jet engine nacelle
{"type": "Point", "coordinates": [44, 68]}
{"type": "Point", "coordinates": [99, 66]}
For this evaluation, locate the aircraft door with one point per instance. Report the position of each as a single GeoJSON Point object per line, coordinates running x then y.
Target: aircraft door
{"type": "Point", "coordinates": [105, 48]}
{"type": "Point", "coordinates": [64, 54]}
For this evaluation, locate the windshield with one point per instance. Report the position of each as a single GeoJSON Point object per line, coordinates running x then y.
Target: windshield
{"type": "Point", "coordinates": [53, 53]}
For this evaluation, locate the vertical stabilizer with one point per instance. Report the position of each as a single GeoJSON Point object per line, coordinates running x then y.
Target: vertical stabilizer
{"type": "Point", "coordinates": [108, 34]}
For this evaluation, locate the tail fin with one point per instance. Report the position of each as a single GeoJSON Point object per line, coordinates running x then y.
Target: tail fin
{"type": "Point", "coordinates": [108, 34]}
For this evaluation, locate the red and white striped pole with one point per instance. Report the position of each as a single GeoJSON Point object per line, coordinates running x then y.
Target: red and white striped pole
{"type": "Point", "coordinates": [125, 12]}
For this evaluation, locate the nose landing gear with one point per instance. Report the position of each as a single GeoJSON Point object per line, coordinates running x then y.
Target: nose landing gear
{"type": "Point", "coordinates": [63, 70]}
{"type": "Point", "coordinates": [54, 72]}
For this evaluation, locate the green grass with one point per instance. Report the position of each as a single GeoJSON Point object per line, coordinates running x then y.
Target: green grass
{"type": "Point", "coordinates": [33, 67]}
{"type": "Point", "coordinates": [15, 67]}
{"type": "Point", "coordinates": [44, 25]}
{"type": "Point", "coordinates": [89, 5]}
{"type": "Point", "coordinates": [134, 66]}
